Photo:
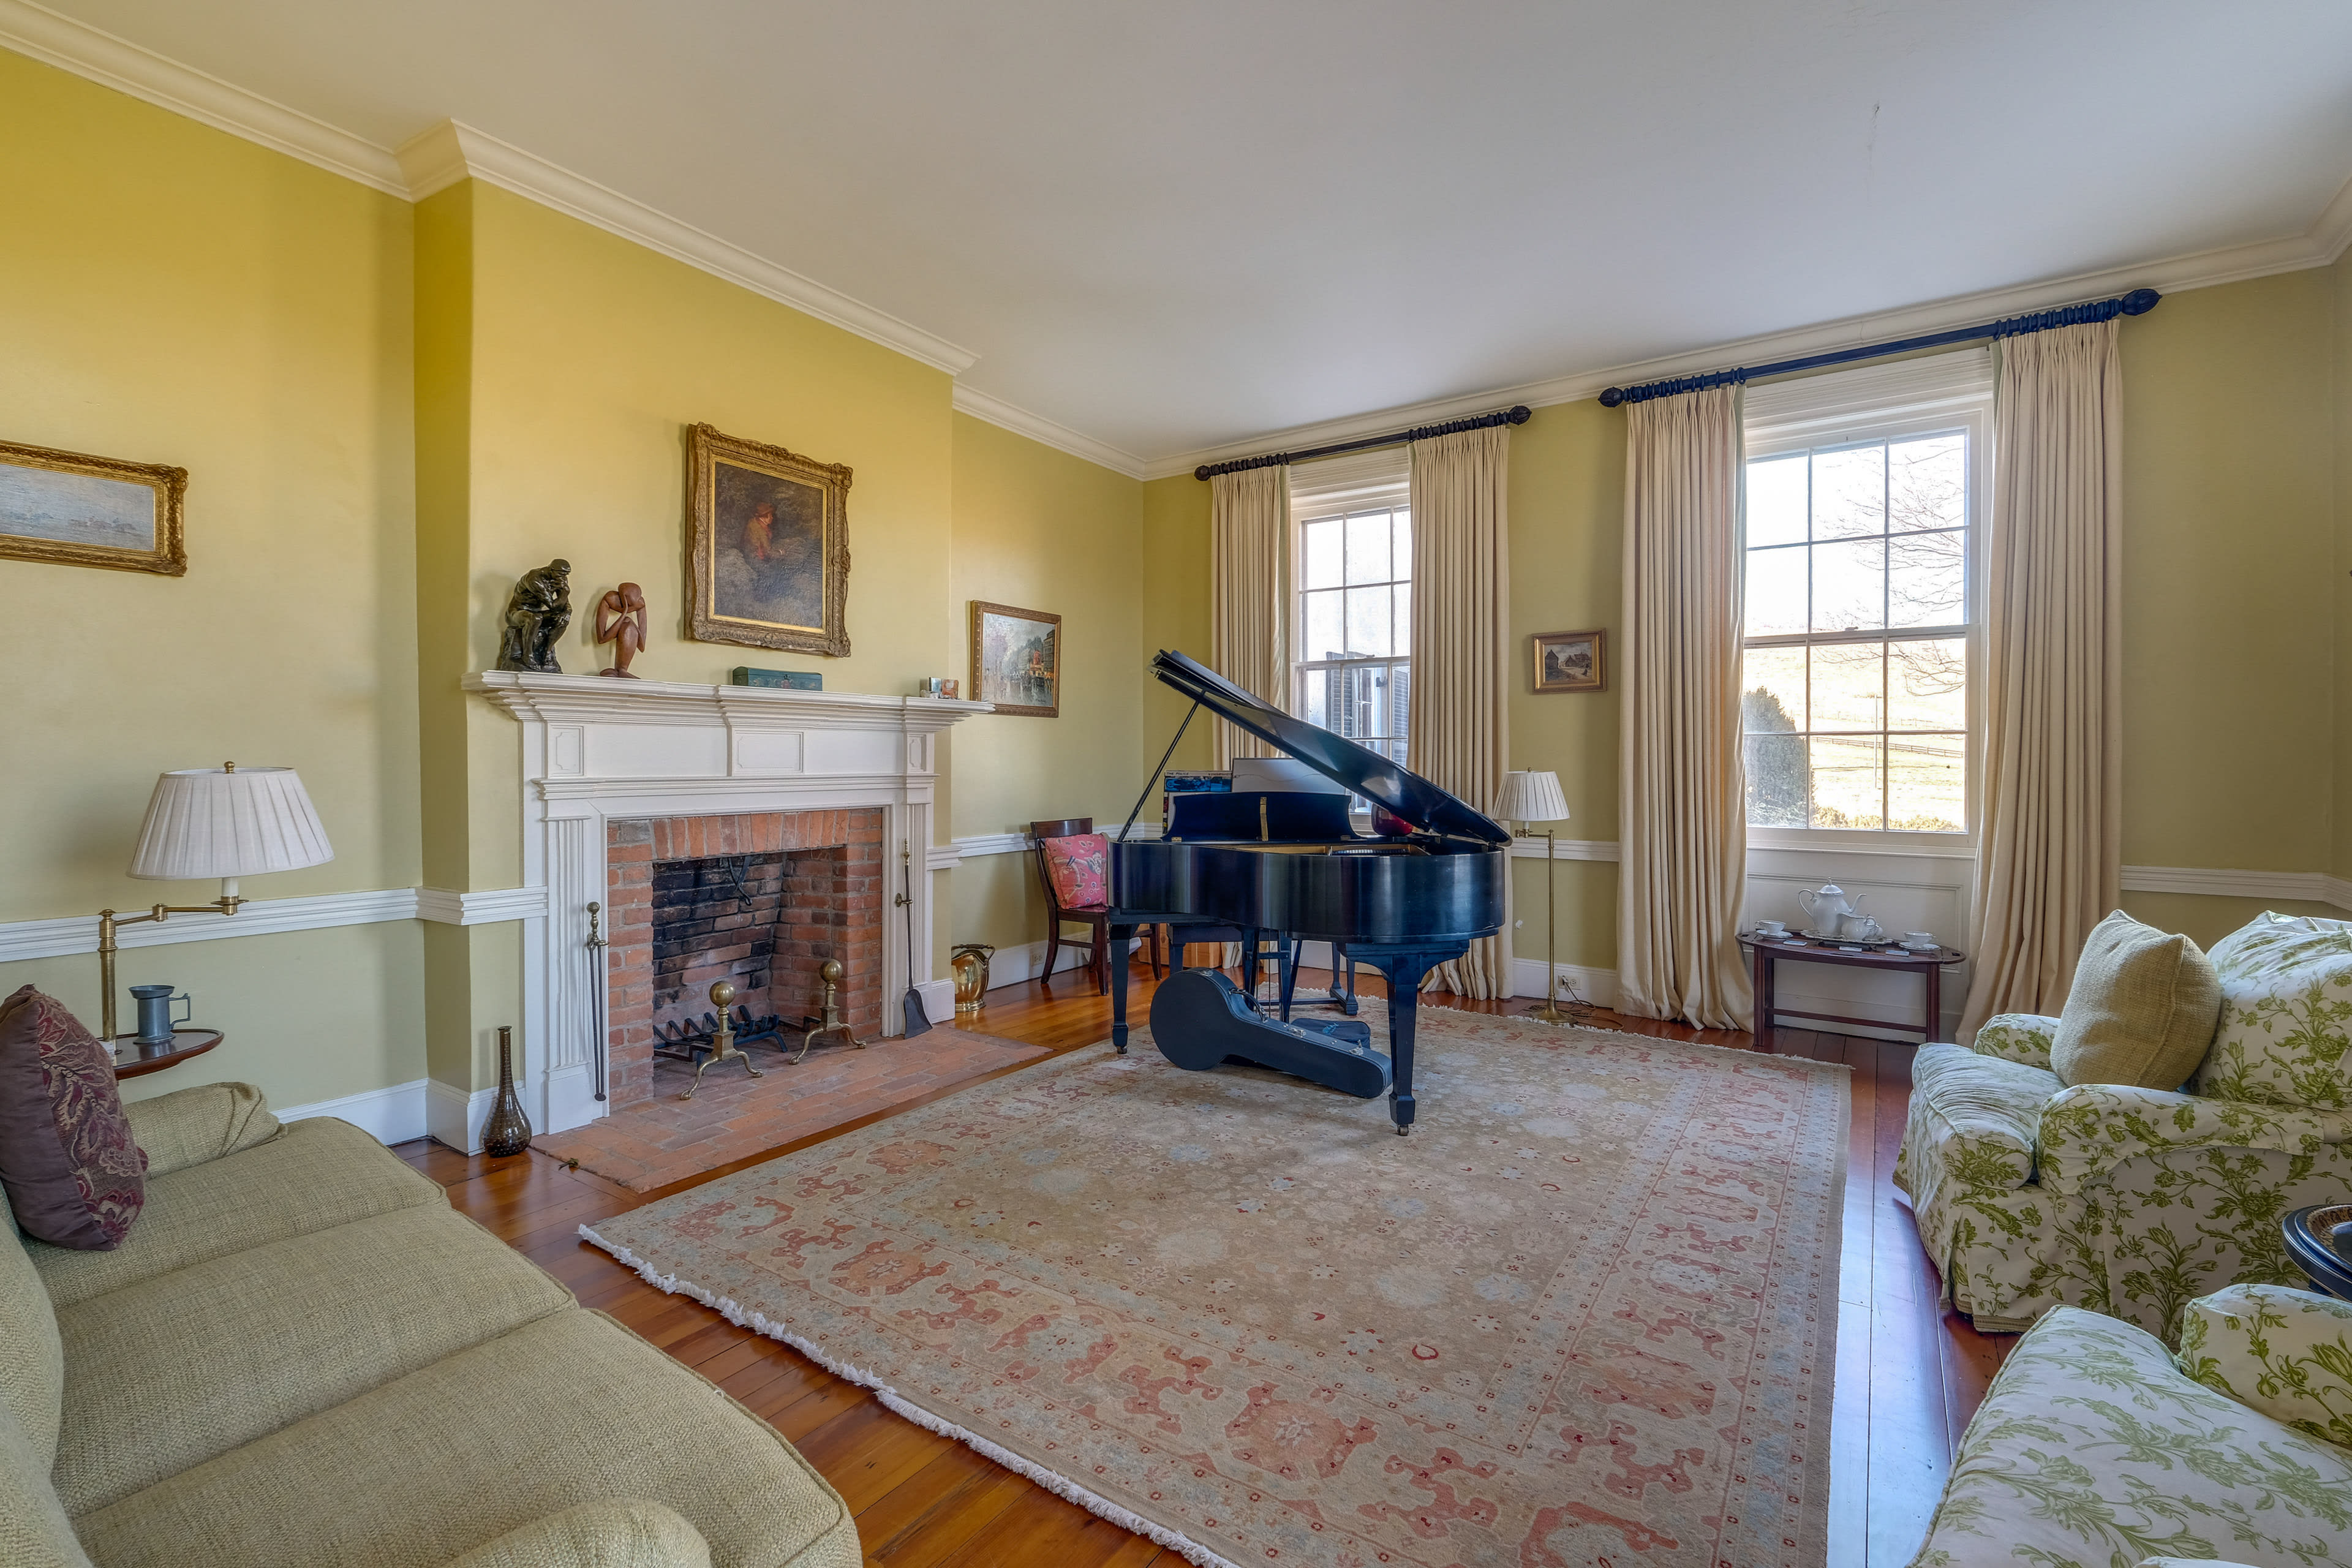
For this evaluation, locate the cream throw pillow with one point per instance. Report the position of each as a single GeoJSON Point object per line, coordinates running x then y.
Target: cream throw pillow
{"type": "Point", "coordinates": [2142, 1011]}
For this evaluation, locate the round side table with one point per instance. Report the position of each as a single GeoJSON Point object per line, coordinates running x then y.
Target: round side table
{"type": "Point", "coordinates": [132, 1059]}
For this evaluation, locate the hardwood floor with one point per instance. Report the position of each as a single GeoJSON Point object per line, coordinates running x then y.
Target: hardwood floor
{"type": "Point", "coordinates": [1909, 1375]}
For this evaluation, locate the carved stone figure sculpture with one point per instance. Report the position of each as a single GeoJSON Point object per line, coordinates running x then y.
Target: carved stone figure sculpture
{"type": "Point", "coordinates": [537, 612]}
{"type": "Point", "coordinates": [621, 621]}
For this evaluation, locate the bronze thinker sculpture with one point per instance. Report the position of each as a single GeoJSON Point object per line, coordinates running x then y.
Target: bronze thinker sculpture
{"type": "Point", "coordinates": [621, 621]}
{"type": "Point", "coordinates": [537, 612]}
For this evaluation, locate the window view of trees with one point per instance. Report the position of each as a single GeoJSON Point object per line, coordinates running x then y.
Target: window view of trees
{"type": "Point", "coordinates": [1855, 691]}
{"type": "Point", "coordinates": [1355, 626]}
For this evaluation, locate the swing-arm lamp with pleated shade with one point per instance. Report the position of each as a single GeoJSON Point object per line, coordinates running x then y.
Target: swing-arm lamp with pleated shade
{"type": "Point", "coordinates": [227, 822]}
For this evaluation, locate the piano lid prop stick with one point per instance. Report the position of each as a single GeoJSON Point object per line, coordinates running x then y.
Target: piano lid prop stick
{"type": "Point", "coordinates": [1158, 771]}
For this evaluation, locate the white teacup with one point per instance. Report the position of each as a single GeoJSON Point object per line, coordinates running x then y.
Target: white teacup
{"type": "Point", "coordinates": [1771, 928]}
{"type": "Point", "coordinates": [1919, 939]}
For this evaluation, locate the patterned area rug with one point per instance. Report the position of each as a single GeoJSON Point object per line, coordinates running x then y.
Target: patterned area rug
{"type": "Point", "coordinates": [734, 1116]}
{"type": "Point", "coordinates": [1586, 1314]}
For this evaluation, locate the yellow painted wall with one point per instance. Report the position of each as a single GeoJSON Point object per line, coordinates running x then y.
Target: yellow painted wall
{"type": "Point", "coordinates": [2339, 279]}
{"type": "Point", "coordinates": [1175, 611]}
{"type": "Point", "coordinates": [2228, 578]}
{"type": "Point", "coordinates": [170, 293]}
{"type": "Point", "coordinates": [1039, 530]}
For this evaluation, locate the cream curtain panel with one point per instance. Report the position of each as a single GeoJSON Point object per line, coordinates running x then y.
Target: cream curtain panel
{"type": "Point", "coordinates": [2052, 864]}
{"type": "Point", "coordinates": [1249, 564]}
{"type": "Point", "coordinates": [1682, 873]}
{"type": "Point", "coordinates": [1458, 734]}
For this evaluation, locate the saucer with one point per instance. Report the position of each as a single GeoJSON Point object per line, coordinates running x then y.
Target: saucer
{"type": "Point", "coordinates": [1919, 946]}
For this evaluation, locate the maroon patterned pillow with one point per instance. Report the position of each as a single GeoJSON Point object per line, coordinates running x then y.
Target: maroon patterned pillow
{"type": "Point", "coordinates": [72, 1172]}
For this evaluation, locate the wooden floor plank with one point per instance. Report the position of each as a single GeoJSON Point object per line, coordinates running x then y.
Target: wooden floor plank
{"type": "Point", "coordinates": [1909, 1375]}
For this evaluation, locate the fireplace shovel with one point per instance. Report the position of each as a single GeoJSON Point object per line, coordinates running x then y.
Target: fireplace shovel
{"type": "Point", "coordinates": [918, 1022]}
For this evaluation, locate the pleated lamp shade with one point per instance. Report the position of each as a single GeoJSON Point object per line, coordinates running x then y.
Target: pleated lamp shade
{"type": "Point", "coordinates": [228, 822]}
{"type": "Point", "coordinates": [1530, 797]}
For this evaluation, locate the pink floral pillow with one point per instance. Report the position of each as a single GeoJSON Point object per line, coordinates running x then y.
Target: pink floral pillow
{"type": "Point", "coordinates": [73, 1176]}
{"type": "Point", "coordinates": [1075, 866]}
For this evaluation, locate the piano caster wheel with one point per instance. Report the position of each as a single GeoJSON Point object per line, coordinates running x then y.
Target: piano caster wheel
{"type": "Point", "coordinates": [1403, 1131]}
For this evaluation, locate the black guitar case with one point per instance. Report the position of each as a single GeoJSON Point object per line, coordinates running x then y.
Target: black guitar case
{"type": "Point", "coordinates": [1200, 1019]}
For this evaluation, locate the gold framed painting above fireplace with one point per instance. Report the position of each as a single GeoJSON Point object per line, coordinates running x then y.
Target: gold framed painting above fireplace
{"type": "Point", "coordinates": [766, 546]}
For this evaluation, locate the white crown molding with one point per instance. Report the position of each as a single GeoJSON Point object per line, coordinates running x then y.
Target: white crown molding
{"type": "Point", "coordinates": [1044, 431]}
{"type": "Point", "coordinates": [110, 61]}
{"type": "Point", "coordinates": [445, 906]}
{"type": "Point", "coordinates": [450, 152]}
{"type": "Point", "coordinates": [2318, 246]}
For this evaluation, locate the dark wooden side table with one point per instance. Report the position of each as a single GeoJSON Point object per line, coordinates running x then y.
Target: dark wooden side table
{"type": "Point", "coordinates": [1769, 954]}
{"type": "Point", "coordinates": [132, 1059]}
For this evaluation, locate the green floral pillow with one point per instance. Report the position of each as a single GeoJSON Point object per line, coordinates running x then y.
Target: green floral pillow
{"type": "Point", "coordinates": [2286, 1015]}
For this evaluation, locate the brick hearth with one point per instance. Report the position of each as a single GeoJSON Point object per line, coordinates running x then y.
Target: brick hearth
{"type": "Point", "coordinates": [810, 889]}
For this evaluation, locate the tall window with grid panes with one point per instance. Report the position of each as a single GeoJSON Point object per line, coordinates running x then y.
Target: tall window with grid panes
{"type": "Point", "coordinates": [1353, 670]}
{"type": "Point", "coordinates": [1855, 693]}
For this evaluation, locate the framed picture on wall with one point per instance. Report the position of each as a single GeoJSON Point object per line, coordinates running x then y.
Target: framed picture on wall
{"type": "Point", "coordinates": [766, 546]}
{"type": "Point", "coordinates": [78, 510]}
{"type": "Point", "coordinates": [1016, 660]}
{"type": "Point", "coordinates": [1570, 661]}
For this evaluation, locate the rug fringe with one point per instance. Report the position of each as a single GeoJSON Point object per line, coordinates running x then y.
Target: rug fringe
{"type": "Point", "coordinates": [1054, 1481]}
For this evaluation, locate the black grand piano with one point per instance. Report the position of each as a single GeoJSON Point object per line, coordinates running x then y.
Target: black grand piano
{"type": "Point", "coordinates": [1403, 901]}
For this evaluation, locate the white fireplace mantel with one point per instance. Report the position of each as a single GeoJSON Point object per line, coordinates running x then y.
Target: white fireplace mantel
{"type": "Point", "coordinates": [595, 748]}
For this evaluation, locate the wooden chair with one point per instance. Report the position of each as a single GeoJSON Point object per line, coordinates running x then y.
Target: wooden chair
{"type": "Point", "coordinates": [1096, 919]}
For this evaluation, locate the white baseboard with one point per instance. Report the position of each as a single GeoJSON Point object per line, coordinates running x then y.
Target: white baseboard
{"type": "Point", "coordinates": [1598, 986]}
{"type": "Point", "coordinates": [394, 1115]}
{"type": "Point", "coordinates": [456, 1116]}
{"type": "Point", "coordinates": [939, 999]}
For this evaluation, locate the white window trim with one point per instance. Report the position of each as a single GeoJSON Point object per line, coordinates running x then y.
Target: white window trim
{"type": "Point", "coordinates": [1889, 402]}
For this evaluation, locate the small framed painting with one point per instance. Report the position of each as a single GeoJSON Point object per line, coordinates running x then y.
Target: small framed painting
{"type": "Point", "coordinates": [1570, 661]}
{"type": "Point", "coordinates": [1016, 660]}
{"type": "Point", "coordinates": [79, 510]}
{"type": "Point", "coordinates": [768, 546]}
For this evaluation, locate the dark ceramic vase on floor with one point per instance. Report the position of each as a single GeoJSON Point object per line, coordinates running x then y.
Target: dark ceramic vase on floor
{"type": "Point", "coordinates": [507, 1129]}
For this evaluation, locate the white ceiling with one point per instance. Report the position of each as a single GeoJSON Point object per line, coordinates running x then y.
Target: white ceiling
{"type": "Point", "coordinates": [1171, 226]}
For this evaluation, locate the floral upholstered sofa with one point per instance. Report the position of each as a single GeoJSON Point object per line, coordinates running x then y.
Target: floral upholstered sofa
{"type": "Point", "coordinates": [2097, 1448]}
{"type": "Point", "coordinates": [2133, 1202]}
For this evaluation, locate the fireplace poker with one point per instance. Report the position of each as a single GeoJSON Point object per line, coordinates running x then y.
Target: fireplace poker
{"type": "Point", "coordinates": [917, 1021]}
{"type": "Point", "coordinates": [596, 998]}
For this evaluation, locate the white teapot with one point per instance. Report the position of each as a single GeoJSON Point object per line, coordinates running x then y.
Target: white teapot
{"type": "Point", "coordinates": [1827, 906]}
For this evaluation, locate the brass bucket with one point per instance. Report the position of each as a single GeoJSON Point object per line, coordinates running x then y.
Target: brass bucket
{"type": "Point", "coordinates": [970, 966]}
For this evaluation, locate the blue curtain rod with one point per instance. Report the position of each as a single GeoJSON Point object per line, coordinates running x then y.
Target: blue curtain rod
{"type": "Point", "coordinates": [2138, 302]}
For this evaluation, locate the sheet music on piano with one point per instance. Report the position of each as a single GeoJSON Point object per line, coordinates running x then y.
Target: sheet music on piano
{"type": "Point", "coordinates": [1289, 861]}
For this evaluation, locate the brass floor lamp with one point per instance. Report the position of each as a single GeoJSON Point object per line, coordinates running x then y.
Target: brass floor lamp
{"type": "Point", "coordinates": [1527, 798]}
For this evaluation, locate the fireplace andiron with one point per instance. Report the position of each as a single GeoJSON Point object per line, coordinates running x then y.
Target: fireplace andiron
{"type": "Point", "coordinates": [723, 1045]}
{"type": "Point", "coordinates": [830, 1024]}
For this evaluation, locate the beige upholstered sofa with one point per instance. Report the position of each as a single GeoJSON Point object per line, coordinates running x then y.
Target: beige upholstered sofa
{"type": "Point", "coordinates": [301, 1354]}
{"type": "Point", "coordinates": [2097, 1446]}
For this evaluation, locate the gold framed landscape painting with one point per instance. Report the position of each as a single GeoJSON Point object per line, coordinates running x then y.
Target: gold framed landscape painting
{"type": "Point", "coordinates": [1570, 661]}
{"type": "Point", "coordinates": [767, 547]}
{"type": "Point", "coordinates": [75, 510]}
{"type": "Point", "coordinates": [1016, 660]}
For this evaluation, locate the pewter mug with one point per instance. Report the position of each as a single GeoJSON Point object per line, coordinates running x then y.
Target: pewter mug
{"type": "Point", "coordinates": [155, 1019]}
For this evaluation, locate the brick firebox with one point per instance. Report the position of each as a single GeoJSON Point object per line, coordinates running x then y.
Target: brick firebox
{"type": "Point", "coordinates": [759, 898]}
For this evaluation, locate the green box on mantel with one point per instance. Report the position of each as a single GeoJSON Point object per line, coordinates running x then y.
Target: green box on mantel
{"type": "Point", "coordinates": [789, 679]}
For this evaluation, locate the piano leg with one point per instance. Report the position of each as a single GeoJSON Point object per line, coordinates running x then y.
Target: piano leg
{"type": "Point", "coordinates": [1119, 936]}
{"type": "Point", "coordinates": [1404, 972]}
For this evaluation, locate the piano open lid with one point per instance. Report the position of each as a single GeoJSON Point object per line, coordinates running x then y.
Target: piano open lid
{"type": "Point", "coordinates": [1358, 769]}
